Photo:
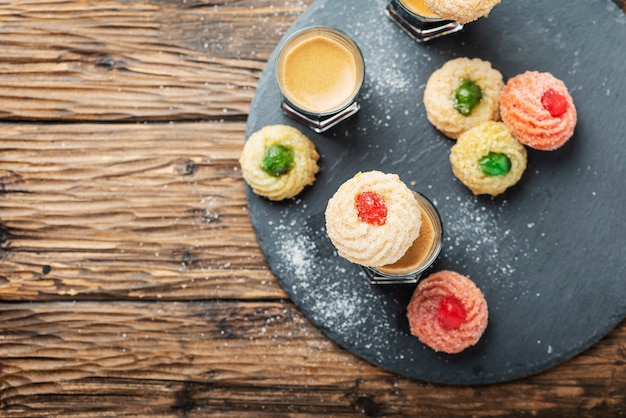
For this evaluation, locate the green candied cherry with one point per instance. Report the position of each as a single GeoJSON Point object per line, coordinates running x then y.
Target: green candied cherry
{"type": "Point", "coordinates": [277, 160]}
{"type": "Point", "coordinates": [467, 96]}
{"type": "Point", "coordinates": [495, 164]}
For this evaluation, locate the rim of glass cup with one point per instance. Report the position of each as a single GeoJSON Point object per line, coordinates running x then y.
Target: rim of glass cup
{"type": "Point", "coordinates": [413, 276]}
{"type": "Point", "coordinates": [337, 35]}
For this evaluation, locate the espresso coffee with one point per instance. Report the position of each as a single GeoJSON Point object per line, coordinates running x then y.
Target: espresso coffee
{"type": "Point", "coordinates": [320, 72]}
{"type": "Point", "coordinates": [417, 253]}
{"type": "Point", "coordinates": [419, 8]}
{"type": "Point", "coordinates": [416, 19]}
{"type": "Point", "coordinates": [424, 248]}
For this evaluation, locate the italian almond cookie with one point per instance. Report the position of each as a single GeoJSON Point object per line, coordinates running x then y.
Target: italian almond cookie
{"type": "Point", "coordinates": [461, 94]}
{"type": "Point", "coordinates": [448, 312]}
{"type": "Point", "coordinates": [488, 159]}
{"type": "Point", "coordinates": [278, 162]}
{"type": "Point", "coordinates": [463, 11]}
{"type": "Point", "coordinates": [539, 110]}
{"type": "Point", "coordinates": [373, 219]}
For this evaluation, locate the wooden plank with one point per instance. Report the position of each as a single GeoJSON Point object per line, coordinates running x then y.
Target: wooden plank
{"type": "Point", "coordinates": [251, 359]}
{"type": "Point", "coordinates": [129, 211]}
{"type": "Point", "coordinates": [148, 60]}
{"type": "Point", "coordinates": [158, 61]}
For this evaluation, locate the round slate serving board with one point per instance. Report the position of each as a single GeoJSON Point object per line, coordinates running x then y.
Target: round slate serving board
{"type": "Point", "coordinates": [549, 254]}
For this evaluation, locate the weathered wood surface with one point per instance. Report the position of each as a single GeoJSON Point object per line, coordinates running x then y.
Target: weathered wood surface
{"type": "Point", "coordinates": [131, 283]}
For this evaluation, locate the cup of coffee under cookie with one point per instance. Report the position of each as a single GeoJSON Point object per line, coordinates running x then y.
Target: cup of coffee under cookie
{"type": "Point", "coordinates": [374, 220]}
{"type": "Point", "coordinates": [418, 21]}
{"type": "Point", "coordinates": [420, 255]}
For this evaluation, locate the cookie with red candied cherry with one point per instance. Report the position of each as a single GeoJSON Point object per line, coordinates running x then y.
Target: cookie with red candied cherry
{"type": "Point", "coordinates": [538, 109]}
{"type": "Point", "coordinates": [373, 218]}
{"type": "Point", "coordinates": [448, 312]}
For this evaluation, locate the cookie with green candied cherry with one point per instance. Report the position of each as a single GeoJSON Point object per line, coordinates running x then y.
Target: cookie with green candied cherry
{"type": "Point", "coordinates": [278, 162]}
{"type": "Point", "coordinates": [488, 159]}
{"type": "Point", "coordinates": [461, 94]}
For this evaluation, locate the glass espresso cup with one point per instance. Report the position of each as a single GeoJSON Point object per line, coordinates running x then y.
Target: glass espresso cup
{"type": "Point", "coordinates": [420, 256]}
{"type": "Point", "coordinates": [416, 19]}
{"type": "Point", "coordinates": [320, 72]}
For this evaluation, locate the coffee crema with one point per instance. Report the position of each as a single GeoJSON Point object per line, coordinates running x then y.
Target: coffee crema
{"type": "Point", "coordinates": [320, 72]}
{"type": "Point", "coordinates": [419, 8]}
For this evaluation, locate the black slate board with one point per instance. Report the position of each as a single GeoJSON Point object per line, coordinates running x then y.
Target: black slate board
{"type": "Point", "coordinates": [549, 254]}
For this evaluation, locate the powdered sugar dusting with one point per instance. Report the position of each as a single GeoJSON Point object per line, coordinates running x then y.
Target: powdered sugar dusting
{"type": "Point", "coordinates": [298, 251]}
{"type": "Point", "coordinates": [476, 235]}
{"type": "Point", "coordinates": [386, 63]}
{"type": "Point", "coordinates": [335, 292]}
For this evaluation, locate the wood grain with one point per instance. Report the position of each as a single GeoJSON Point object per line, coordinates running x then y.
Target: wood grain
{"type": "Point", "coordinates": [259, 357]}
{"type": "Point", "coordinates": [127, 211]}
{"type": "Point", "coordinates": [136, 61]}
{"type": "Point", "coordinates": [131, 282]}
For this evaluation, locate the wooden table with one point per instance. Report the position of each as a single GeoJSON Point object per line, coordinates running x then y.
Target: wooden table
{"type": "Point", "coordinates": [131, 282]}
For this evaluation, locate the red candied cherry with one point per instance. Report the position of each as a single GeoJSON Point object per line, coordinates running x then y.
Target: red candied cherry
{"type": "Point", "coordinates": [554, 102]}
{"type": "Point", "coordinates": [371, 208]}
{"type": "Point", "coordinates": [451, 313]}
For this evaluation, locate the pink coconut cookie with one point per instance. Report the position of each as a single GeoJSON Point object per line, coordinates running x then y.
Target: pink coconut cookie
{"type": "Point", "coordinates": [447, 312]}
{"type": "Point", "coordinates": [538, 110]}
